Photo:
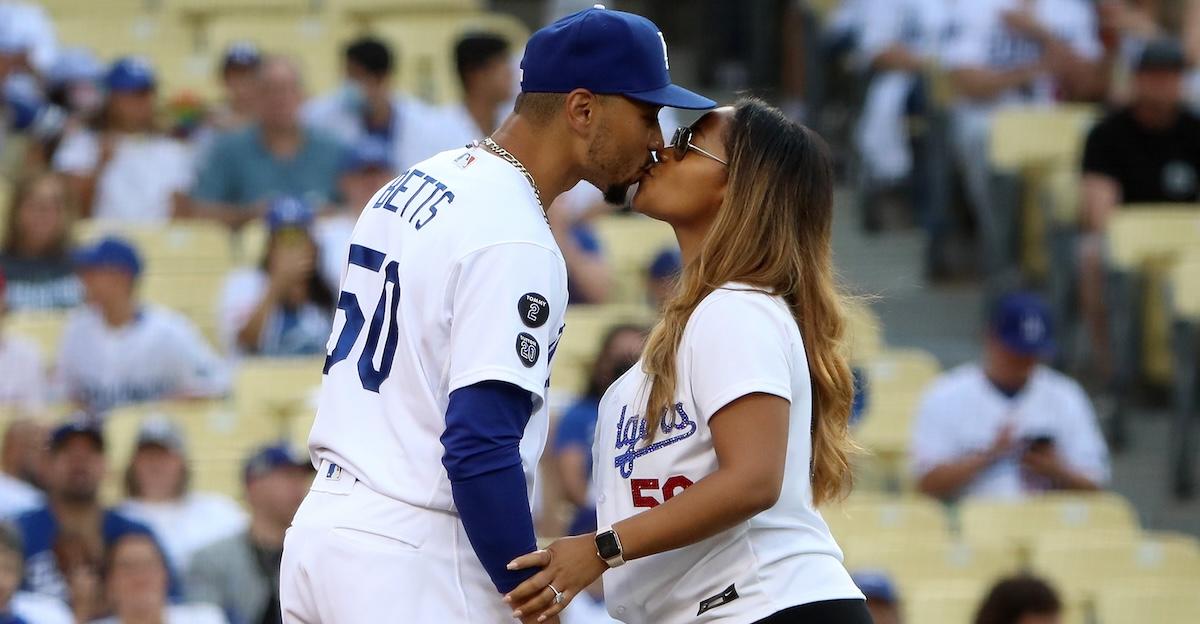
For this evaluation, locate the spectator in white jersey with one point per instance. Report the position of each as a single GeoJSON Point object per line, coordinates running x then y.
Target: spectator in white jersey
{"type": "Point", "coordinates": [119, 350]}
{"type": "Point", "coordinates": [1009, 426]}
{"type": "Point", "coordinates": [898, 40]}
{"type": "Point", "coordinates": [283, 307]}
{"type": "Point", "coordinates": [20, 607]}
{"type": "Point", "coordinates": [158, 487]}
{"type": "Point", "coordinates": [241, 573]}
{"type": "Point", "coordinates": [135, 584]}
{"type": "Point", "coordinates": [485, 70]}
{"type": "Point", "coordinates": [65, 538]}
{"type": "Point", "coordinates": [22, 383]}
{"type": "Point", "coordinates": [124, 168]}
{"type": "Point", "coordinates": [36, 251]}
{"type": "Point", "coordinates": [367, 169]}
{"type": "Point", "coordinates": [1002, 53]}
{"type": "Point", "coordinates": [365, 105]}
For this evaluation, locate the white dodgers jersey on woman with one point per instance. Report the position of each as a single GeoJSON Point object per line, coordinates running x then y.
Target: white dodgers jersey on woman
{"type": "Point", "coordinates": [454, 278]}
{"type": "Point", "coordinates": [738, 341]}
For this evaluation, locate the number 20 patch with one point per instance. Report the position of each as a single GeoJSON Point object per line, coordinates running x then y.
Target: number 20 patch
{"type": "Point", "coordinates": [528, 349]}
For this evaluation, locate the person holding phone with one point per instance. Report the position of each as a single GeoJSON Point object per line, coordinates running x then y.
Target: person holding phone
{"type": "Point", "coordinates": [1008, 426]}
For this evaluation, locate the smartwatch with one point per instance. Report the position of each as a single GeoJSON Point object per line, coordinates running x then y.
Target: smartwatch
{"type": "Point", "coordinates": [608, 546]}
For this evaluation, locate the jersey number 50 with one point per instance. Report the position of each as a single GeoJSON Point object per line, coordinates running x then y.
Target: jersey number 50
{"type": "Point", "coordinates": [370, 376]}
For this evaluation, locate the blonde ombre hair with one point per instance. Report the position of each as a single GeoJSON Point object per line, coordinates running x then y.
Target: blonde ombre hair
{"type": "Point", "coordinates": [772, 233]}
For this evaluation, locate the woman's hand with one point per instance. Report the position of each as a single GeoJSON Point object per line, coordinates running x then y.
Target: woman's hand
{"type": "Point", "coordinates": [569, 564]}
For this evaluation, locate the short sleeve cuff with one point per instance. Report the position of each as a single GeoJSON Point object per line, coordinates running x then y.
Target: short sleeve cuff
{"type": "Point", "coordinates": [737, 391]}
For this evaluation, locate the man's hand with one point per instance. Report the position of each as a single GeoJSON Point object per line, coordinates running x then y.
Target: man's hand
{"type": "Point", "coordinates": [1044, 462]}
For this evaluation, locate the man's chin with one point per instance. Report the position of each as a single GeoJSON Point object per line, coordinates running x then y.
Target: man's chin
{"type": "Point", "coordinates": [616, 194]}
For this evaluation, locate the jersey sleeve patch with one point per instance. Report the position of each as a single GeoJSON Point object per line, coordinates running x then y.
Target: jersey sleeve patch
{"type": "Point", "coordinates": [533, 309]}
{"type": "Point", "coordinates": [528, 349]}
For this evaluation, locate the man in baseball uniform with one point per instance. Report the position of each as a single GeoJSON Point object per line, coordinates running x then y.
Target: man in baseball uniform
{"type": "Point", "coordinates": [432, 417]}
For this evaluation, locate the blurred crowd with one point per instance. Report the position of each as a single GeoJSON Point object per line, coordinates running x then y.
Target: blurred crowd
{"type": "Point", "coordinates": [84, 139]}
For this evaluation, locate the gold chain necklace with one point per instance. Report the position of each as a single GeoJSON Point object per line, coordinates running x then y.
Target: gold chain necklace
{"type": "Point", "coordinates": [512, 160]}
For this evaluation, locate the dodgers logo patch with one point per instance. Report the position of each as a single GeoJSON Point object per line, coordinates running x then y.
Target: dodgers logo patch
{"type": "Point", "coordinates": [528, 349]}
{"type": "Point", "coordinates": [533, 309]}
{"type": "Point", "coordinates": [676, 424]}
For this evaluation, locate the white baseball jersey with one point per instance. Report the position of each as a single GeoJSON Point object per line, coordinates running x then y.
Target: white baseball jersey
{"type": "Point", "coordinates": [962, 413]}
{"type": "Point", "coordinates": [454, 279]}
{"type": "Point", "coordinates": [158, 355]}
{"type": "Point", "coordinates": [978, 37]}
{"type": "Point", "coordinates": [737, 342]}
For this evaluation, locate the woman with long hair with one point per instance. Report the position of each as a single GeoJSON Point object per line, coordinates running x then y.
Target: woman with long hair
{"type": "Point", "coordinates": [35, 249]}
{"type": "Point", "coordinates": [714, 453]}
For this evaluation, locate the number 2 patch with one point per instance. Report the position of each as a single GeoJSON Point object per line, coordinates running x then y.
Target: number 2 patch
{"type": "Point", "coordinates": [534, 309]}
{"type": "Point", "coordinates": [528, 349]}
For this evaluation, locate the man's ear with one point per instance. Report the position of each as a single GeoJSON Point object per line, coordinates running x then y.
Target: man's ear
{"type": "Point", "coordinates": [581, 108]}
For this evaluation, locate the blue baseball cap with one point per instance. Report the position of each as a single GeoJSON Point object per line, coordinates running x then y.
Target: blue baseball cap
{"type": "Point", "coordinates": [605, 52]}
{"type": "Point", "coordinates": [369, 153]}
{"type": "Point", "coordinates": [129, 73]}
{"type": "Point", "coordinates": [1022, 323]}
{"type": "Point", "coordinates": [875, 585]}
{"type": "Point", "coordinates": [270, 458]}
{"type": "Point", "coordinates": [666, 264]}
{"type": "Point", "coordinates": [287, 211]}
{"type": "Point", "coordinates": [109, 252]}
{"type": "Point", "coordinates": [241, 55]}
{"type": "Point", "coordinates": [77, 425]}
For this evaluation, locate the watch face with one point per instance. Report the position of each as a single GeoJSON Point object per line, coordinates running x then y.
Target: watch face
{"type": "Point", "coordinates": [607, 545]}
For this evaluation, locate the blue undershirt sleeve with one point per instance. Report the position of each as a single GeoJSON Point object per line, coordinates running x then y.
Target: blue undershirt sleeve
{"type": "Point", "coordinates": [484, 426]}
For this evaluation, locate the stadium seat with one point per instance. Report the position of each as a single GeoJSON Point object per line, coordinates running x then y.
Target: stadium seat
{"type": "Point", "coordinates": [277, 388]}
{"type": "Point", "coordinates": [1144, 242]}
{"type": "Point", "coordinates": [6, 197]}
{"type": "Point", "coordinates": [314, 41]}
{"type": "Point", "coordinates": [585, 329]}
{"type": "Point", "coordinates": [915, 561]}
{"type": "Point", "coordinates": [875, 517]}
{"type": "Point", "coordinates": [1185, 286]}
{"type": "Point", "coordinates": [631, 242]}
{"type": "Point", "coordinates": [194, 295]}
{"type": "Point", "coordinates": [376, 8]}
{"type": "Point", "coordinates": [895, 382]}
{"type": "Point", "coordinates": [1024, 137]}
{"type": "Point", "coordinates": [208, 8]}
{"type": "Point", "coordinates": [59, 9]}
{"type": "Point", "coordinates": [944, 602]}
{"type": "Point", "coordinates": [1145, 233]}
{"type": "Point", "coordinates": [1083, 564]}
{"type": "Point", "coordinates": [1143, 603]}
{"type": "Point", "coordinates": [43, 327]}
{"type": "Point", "coordinates": [1021, 522]}
{"type": "Point", "coordinates": [864, 331]}
{"type": "Point", "coordinates": [180, 247]}
{"type": "Point", "coordinates": [1034, 143]}
{"type": "Point", "coordinates": [218, 440]}
{"type": "Point", "coordinates": [425, 42]}
{"type": "Point", "coordinates": [163, 40]}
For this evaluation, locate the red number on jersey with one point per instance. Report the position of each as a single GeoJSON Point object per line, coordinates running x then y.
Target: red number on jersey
{"type": "Point", "coordinates": [673, 486]}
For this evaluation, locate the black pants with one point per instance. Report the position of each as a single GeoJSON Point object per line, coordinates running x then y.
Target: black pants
{"type": "Point", "coordinates": [825, 612]}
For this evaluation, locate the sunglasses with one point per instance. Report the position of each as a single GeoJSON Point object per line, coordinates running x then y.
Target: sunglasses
{"type": "Point", "coordinates": [681, 144]}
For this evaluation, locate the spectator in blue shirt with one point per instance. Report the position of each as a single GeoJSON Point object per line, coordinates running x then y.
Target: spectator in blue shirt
{"type": "Point", "coordinates": [65, 539]}
{"type": "Point", "coordinates": [277, 155]}
{"type": "Point", "coordinates": [619, 351]}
